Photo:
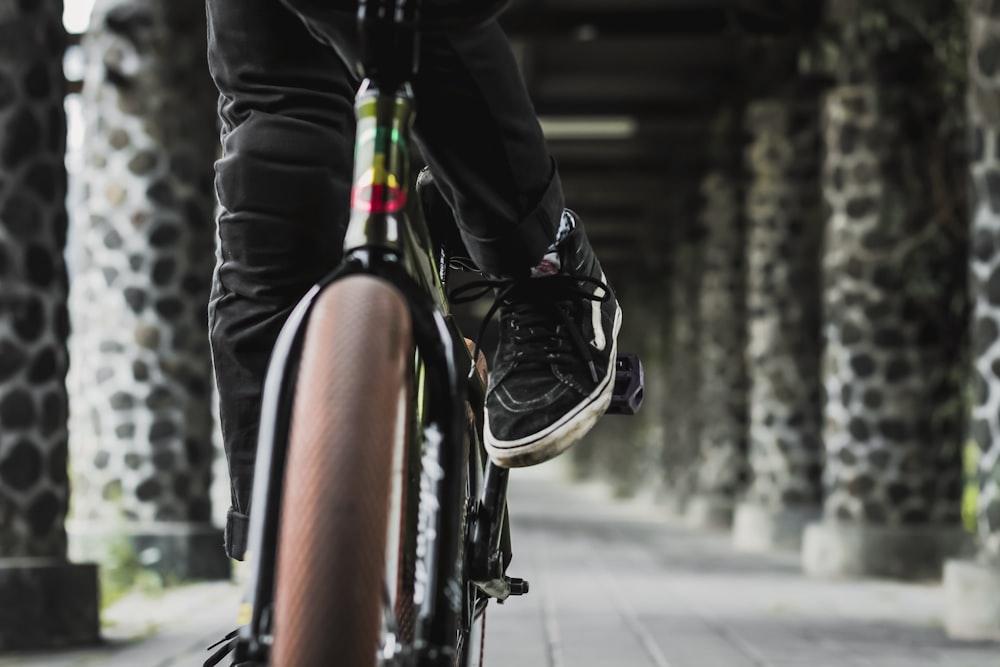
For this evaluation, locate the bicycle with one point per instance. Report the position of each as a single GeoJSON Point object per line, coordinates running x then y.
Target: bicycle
{"type": "Point", "coordinates": [379, 531]}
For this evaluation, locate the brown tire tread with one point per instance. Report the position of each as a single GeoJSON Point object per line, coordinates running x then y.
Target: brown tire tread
{"type": "Point", "coordinates": [335, 509]}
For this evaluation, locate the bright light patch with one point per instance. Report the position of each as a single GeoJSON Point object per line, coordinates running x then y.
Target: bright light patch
{"type": "Point", "coordinates": [598, 127]}
{"type": "Point", "coordinates": [76, 14]}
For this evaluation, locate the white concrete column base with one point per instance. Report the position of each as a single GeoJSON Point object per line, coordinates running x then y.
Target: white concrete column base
{"type": "Point", "coordinates": [759, 529]}
{"type": "Point", "coordinates": [840, 549]}
{"type": "Point", "coordinates": [714, 512]}
{"type": "Point", "coordinates": [972, 600]}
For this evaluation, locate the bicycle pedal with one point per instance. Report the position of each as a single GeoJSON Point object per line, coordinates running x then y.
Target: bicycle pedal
{"type": "Point", "coordinates": [629, 385]}
{"type": "Point", "coordinates": [517, 586]}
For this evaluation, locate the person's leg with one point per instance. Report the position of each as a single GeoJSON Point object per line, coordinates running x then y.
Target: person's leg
{"type": "Point", "coordinates": [477, 129]}
{"type": "Point", "coordinates": [286, 106]}
{"type": "Point", "coordinates": [486, 148]}
{"type": "Point", "coordinates": [553, 373]}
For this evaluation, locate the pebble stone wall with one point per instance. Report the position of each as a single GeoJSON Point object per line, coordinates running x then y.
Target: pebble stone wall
{"type": "Point", "coordinates": [722, 314]}
{"type": "Point", "coordinates": [892, 454]}
{"type": "Point", "coordinates": [141, 376]}
{"type": "Point", "coordinates": [33, 318]}
{"type": "Point", "coordinates": [682, 414]}
{"type": "Point", "coordinates": [984, 148]}
{"type": "Point", "coordinates": [45, 601]}
{"type": "Point", "coordinates": [972, 586]}
{"type": "Point", "coordinates": [784, 221]}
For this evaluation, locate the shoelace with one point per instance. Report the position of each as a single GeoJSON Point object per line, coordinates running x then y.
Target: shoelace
{"type": "Point", "coordinates": [228, 644]}
{"type": "Point", "coordinates": [529, 306]}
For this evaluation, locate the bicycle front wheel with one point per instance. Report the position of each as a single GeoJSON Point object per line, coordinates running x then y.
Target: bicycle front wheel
{"type": "Point", "coordinates": [343, 512]}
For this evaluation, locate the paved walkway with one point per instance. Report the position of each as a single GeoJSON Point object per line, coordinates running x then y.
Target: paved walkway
{"type": "Point", "coordinates": [613, 585]}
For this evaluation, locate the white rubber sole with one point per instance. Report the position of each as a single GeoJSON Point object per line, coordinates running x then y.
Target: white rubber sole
{"type": "Point", "coordinates": [564, 433]}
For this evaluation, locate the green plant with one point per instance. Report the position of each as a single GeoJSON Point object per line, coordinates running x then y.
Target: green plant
{"type": "Point", "coordinates": [970, 494]}
{"type": "Point", "coordinates": [122, 572]}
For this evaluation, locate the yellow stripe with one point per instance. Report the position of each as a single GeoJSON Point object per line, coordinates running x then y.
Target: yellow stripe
{"type": "Point", "coordinates": [245, 614]}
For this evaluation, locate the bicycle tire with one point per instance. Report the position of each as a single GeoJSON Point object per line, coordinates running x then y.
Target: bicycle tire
{"type": "Point", "coordinates": [349, 421]}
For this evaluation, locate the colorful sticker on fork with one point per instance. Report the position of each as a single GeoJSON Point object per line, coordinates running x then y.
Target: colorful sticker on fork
{"type": "Point", "coordinates": [382, 164]}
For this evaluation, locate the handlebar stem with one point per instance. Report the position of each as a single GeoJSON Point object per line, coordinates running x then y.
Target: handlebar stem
{"type": "Point", "coordinates": [389, 41]}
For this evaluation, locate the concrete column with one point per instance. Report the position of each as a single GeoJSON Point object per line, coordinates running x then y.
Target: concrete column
{"type": "Point", "coordinates": [893, 315]}
{"type": "Point", "coordinates": [721, 302]}
{"type": "Point", "coordinates": [784, 229]}
{"type": "Point", "coordinates": [625, 448]}
{"type": "Point", "coordinates": [45, 601]}
{"type": "Point", "coordinates": [972, 586]}
{"type": "Point", "coordinates": [682, 413]}
{"type": "Point", "coordinates": [142, 376]}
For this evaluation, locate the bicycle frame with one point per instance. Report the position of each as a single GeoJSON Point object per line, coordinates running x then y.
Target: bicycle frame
{"type": "Point", "coordinates": [387, 237]}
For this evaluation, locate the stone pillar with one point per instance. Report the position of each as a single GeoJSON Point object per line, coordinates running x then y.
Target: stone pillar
{"type": "Point", "coordinates": [972, 587]}
{"type": "Point", "coordinates": [682, 413]}
{"type": "Point", "coordinates": [142, 373]}
{"type": "Point", "coordinates": [784, 229]}
{"type": "Point", "coordinates": [625, 448]}
{"type": "Point", "coordinates": [721, 302]}
{"type": "Point", "coordinates": [45, 601]}
{"type": "Point", "coordinates": [893, 320]}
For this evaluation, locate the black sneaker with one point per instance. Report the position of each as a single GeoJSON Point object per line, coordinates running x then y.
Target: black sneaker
{"type": "Point", "coordinates": [553, 374]}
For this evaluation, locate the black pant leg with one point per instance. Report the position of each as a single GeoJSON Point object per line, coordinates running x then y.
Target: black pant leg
{"type": "Point", "coordinates": [478, 130]}
{"type": "Point", "coordinates": [286, 106]}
